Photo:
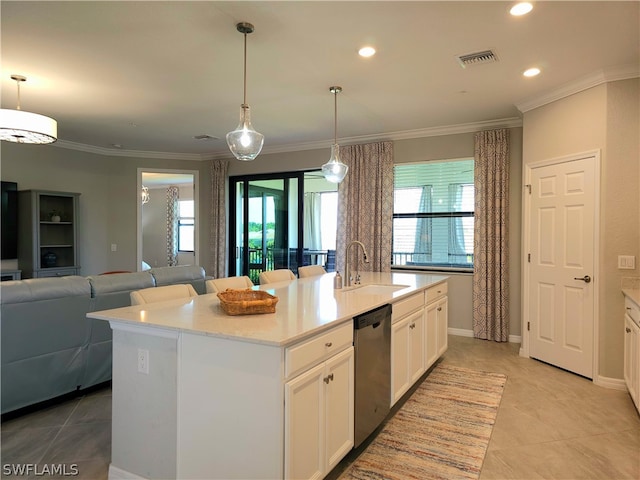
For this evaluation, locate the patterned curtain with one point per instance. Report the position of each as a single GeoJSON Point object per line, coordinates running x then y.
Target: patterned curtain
{"type": "Point", "coordinates": [173, 215]}
{"type": "Point", "coordinates": [365, 204]}
{"type": "Point", "coordinates": [218, 235]}
{"type": "Point", "coordinates": [491, 236]}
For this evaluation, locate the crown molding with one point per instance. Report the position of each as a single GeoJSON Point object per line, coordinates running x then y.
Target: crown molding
{"type": "Point", "coordinates": [512, 122]}
{"type": "Point", "coordinates": [125, 153]}
{"type": "Point", "coordinates": [614, 74]}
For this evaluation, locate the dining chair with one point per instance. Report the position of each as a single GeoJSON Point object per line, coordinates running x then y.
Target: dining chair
{"type": "Point", "coordinates": [279, 275]}
{"type": "Point", "coordinates": [221, 284]}
{"type": "Point", "coordinates": [311, 271]}
{"type": "Point", "coordinates": [165, 292]}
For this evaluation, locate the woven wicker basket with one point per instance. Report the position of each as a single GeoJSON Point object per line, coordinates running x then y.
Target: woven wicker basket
{"type": "Point", "coordinates": [247, 302]}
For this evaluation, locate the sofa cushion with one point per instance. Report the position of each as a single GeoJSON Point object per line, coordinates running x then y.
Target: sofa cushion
{"type": "Point", "coordinates": [34, 289]}
{"type": "Point", "coordinates": [120, 282]}
{"type": "Point", "coordinates": [191, 274]}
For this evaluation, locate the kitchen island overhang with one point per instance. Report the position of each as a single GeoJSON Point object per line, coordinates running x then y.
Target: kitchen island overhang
{"type": "Point", "coordinates": [212, 402]}
{"type": "Point", "coordinates": [306, 306]}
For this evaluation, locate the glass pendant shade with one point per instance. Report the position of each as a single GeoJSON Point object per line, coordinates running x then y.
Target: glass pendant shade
{"type": "Point", "coordinates": [334, 170]}
{"type": "Point", "coordinates": [244, 142]}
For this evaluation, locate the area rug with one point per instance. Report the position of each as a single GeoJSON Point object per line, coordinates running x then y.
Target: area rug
{"type": "Point", "coordinates": [441, 432]}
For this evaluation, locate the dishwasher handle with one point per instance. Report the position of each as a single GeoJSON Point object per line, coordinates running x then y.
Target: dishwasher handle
{"type": "Point", "coordinates": [372, 318]}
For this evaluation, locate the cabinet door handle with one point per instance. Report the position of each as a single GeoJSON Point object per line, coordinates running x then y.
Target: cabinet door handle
{"type": "Point", "coordinates": [439, 309]}
{"type": "Point", "coordinates": [328, 344]}
{"type": "Point", "coordinates": [627, 329]}
{"type": "Point", "coordinates": [412, 326]}
{"type": "Point", "coordinates": [328, 378]}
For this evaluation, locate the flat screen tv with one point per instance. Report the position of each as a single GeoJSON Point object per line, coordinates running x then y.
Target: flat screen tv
{"type": "Point", "coordinates": [9, 220]}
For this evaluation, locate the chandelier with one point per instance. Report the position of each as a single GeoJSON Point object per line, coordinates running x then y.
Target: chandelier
{"type": "Point", "coordinates": [26, 127]}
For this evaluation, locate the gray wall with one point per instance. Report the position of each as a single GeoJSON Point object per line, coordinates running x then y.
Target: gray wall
{"type": "Point", "coordinates": [109, 192]}
{"type": "Point", "coordinates": [419, 150]}
{"type": "Point", "coordinates": [108, 188]}
{"type": "Point", "coordinates": [604, 118]}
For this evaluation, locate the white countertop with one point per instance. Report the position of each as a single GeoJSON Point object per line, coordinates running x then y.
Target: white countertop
{"type": "Point", "coordinates": [305, 307]}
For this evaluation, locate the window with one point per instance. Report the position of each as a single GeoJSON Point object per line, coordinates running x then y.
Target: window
{"type": "Point", "coordinates": [186, 226]}
{"type": "Point", "coordinates": [433, 214]}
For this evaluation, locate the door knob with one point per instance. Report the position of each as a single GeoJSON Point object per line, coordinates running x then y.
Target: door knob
{"type": "Point", "coordinates": [585, 279]}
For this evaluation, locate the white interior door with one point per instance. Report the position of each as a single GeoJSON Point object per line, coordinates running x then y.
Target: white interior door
{"type": "Point", "coordinates": [561, 266]}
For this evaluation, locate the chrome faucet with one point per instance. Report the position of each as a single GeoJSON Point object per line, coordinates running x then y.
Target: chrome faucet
{"type": "Point", "coordinates": [365, 257]}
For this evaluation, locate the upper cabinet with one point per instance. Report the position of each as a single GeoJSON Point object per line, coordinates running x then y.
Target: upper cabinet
{"type": "Point", "coordinates": [48, 233]}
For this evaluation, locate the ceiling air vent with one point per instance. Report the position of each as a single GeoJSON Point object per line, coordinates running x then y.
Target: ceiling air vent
{"type": "Point", "coordinates": [477, 58]}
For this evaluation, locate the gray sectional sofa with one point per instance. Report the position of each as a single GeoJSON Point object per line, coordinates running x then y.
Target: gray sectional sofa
{"type": "Point", "coordinates": [48, 345]}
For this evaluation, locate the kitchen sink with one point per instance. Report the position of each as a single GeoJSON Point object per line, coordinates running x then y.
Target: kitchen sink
{"type": "Point", "coordinates": [375, 289]}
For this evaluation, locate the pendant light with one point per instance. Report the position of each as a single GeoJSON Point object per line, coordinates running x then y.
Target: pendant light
{"type": "Point", "coordinates": [244, 142]}
{"type": "Point", "coordinates": [25, 127]}
{"type": "Point", "coordinates": [334, 170]}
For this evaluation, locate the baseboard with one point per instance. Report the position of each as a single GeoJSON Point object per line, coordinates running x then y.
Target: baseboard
{"type": "Point", "coordinates": [608, 382]}
{"type": "Point", "coordinates": [462, 332]}
{"type": "Point", "coordinates": [116, 473]}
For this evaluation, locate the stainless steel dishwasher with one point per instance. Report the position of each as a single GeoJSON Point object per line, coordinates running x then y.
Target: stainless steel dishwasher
{"type": "Point", "coordinates": [372, 344]}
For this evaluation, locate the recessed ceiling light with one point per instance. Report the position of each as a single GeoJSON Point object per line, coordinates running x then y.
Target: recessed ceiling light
{"type": "Point", "coordinates": [521, 8]}
{"type": "Point", "coordinates": [367, 51]}
{"type": "Point", "coordinates": [531, 72]}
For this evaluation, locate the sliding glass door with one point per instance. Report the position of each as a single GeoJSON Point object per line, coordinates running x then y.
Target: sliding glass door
{"type": "Point", "coordinates": [265, 225]}
{"type": "Point", "coordinates": [281, 221]}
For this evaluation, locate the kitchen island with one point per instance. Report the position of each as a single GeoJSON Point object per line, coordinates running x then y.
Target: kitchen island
{"type": "Point", "coordinates": [200, 394]}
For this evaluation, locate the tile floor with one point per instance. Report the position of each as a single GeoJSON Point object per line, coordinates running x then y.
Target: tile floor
{"type": "Point", "coordinates": [551, 424]}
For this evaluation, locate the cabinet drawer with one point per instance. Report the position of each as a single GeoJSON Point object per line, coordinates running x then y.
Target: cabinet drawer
{"type": "Point", "coordinates": [405, 307]}
{"type": "Point", "coordinates": [303, 355]}
{"type": "Point", "coordinates": [435, 292]}
{"type": "Point", "coordinates": [58, 272]}
{"type": "Point", "coordinates": [632, 310]}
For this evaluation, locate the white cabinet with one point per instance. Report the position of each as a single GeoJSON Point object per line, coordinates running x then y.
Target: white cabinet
{"type": "Point", "coordinates": [319, 412]}
{"type": "Point", "coordinates": [436, 323]}
{"type": "Point", "coordinates": [430, 335]}
{"type": "Point", "coordinates": [407, 345]}
{"type": "Point", "coordinates": [632, 351]}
